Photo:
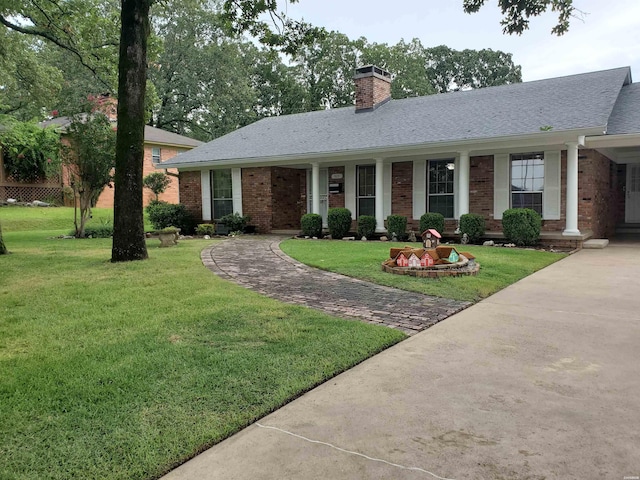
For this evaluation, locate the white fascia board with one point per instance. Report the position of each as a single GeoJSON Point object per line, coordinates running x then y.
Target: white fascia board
{"type": "Point", "coordinates": [473, 146]}
{"type": "Point", "coordinates": [613, 141]}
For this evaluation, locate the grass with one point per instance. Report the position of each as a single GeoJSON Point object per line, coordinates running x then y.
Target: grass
{"type": "Point", "coordinates": [18, 218]}
{"type": "Point", "coordinates": [123, 371]}
{"type": "Point", "coordinates": [499, 267]}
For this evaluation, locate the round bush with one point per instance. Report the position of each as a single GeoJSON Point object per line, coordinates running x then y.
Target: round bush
{"type": "Point", "coordinates": [397, 224]}
{"type": "Point", "coordinates": [206, 229]}
{"type": "Point", "coordinates": [235, 222]}
{"type": "Point", "coordinates": [473, 225]}
{"type": "Point", "coordinates": [311, 224]}
{"type": "Point", "coordinates": [366, 226]}
{"type": "Point", "coordinates": [521, 226]}
{"type": "Point", "coordinates": [163, 215]}
{"type": "Point", "coordinates": [432, 220]}
{"type": "Point", "coordinates": [339, 222]}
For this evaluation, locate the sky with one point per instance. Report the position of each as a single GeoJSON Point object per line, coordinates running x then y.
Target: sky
{"type": "Point", "coordinates": [608, 36]}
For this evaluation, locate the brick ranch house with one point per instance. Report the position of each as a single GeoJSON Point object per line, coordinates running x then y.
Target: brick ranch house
{"type": "Point", "coordinates": [567, 147]}
{"type": "Point", "coordinates": [159, 146]}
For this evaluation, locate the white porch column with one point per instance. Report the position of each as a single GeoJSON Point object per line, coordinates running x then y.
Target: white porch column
{"type": "Point", "coordinates": [380, 195]}
{"type": "Point", "coordinates": [315, 188]}
{"type": "Point", "coordinates": [571, 227]}
{"type": "Point", "coordinates": [463, 184]}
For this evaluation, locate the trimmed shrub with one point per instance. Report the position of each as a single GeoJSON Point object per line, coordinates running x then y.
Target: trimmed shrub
{"type": "Point", "coordinates": [366, 226]}
{"type": "Point", "coordinates": [103, 230]}
{"type": "Point", "coordinates": [473, 225]}
{"type": "Point", "coordinates": [397, 224]}
{"type": "Point", "coordinates": [163, 214]}
{"type": "Point", "coordinates": [311, 224]}
{"type": "Point", "coordinates": [235, 222]}
{"type": "Point", "coordinates": [206, 229]}
{"type": "Point", "coordinates": [339, 222]}
{"type": "Point", "coordinates": [521, 226]}
{"type": "Point", "coordinates": [432, 220]}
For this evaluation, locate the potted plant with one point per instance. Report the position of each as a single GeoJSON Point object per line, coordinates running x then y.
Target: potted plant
{"type": "Point", "coordinates": [168, 236]}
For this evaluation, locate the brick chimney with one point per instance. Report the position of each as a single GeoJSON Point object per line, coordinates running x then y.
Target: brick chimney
{"type": "Point", "coordinates": [106, 104]}
{"type": "Point", "coordinates": [373, 88]}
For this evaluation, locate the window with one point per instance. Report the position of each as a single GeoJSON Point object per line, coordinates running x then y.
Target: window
{"type": "Point", "coordinates": [155, 154]}
{"type": "Point", "coordinates": [441, 181]}
{"type": "Point", "coordinates": [221, 195]}
{"type": "Point", "coordinates": [527, 181]}
{"type": "Point", "coordinates": [366, 190]}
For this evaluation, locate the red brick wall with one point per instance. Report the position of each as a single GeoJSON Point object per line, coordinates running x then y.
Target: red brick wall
{"type": "Point", "coordinates": [402, 189]}
{"type": "Point", "coordinates": [285, 186]}
{"type": "Point", "coordinates": [171, 194]}
{"type": "Point", "coordinates": [257, 201]}
{"type": "Point", "coordinates": [596, 194]}
{"type": "Point", "coordinates": [370, 91]}
{"type": "Point", "coordinates": [191, 193]}
{"type": "Point", "coordinates": [481, 190]}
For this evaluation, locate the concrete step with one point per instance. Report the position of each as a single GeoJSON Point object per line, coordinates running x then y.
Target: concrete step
{"type": "Point", "coordinates": [595, 243]}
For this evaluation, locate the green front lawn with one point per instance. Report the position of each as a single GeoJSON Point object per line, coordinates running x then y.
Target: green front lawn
{"type": "Point", "coordinates": [500, 267]}
{"type": "Point", "coordinates": [126, 370]}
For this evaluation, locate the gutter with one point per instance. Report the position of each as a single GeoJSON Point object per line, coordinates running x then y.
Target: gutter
{"type": "Point", "coordinates": [543, 138]}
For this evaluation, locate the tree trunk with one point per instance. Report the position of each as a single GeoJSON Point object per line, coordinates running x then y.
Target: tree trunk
{"type": "Point", "coordinates": [3, 248]}
{"type": "Point", "coordinates": [128, 223]}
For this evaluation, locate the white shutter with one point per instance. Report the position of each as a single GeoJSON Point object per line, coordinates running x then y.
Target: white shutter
{"type": "Point", "coordinates": [551, 195]}
{"type": "Point", "coordinates": [501, 184]}
{"type": "Point", "coordinates": [236, 189]}
{"type": "Point", "coordinates": [350, 189]}
{"type": "Point", "coordinates": [205, 186]}
{"type": "Point", "coordinates": [386, 189]}
{"type": "Point", "coordinates": [419, 188]}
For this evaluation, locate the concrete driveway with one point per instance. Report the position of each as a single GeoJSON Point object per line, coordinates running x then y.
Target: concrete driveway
{"type": "Point", "coordinates": [540, 381]}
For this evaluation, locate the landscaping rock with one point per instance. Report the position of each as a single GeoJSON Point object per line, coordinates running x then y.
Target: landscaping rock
{"type": "Point", "coordinates": [207, 237]}
{"type": "Point", "coordinates": [313, 238]}
{"type": "Point", "coordinates": [510, 245]}
{"type": "Point", "coordinates": [348, 238]}
{"type": "Point", "coordinates": [364, 239]}
{"type": "Point", "coordinates": [12, 200]}
{"type": "Point", "coordinates": [384, 239]}
{"type": "Point", "coordinates": [38, 203]}
{"type": "Point", "coordinates": [489, 243]}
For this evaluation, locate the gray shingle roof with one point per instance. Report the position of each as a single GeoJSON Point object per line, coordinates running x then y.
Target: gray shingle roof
{"type": "Point", "coordinates": [574, 102]}
{"type": "Point", "coordinates": [625, 117]}
{"type": "Point", "coordinates": [151, 134]}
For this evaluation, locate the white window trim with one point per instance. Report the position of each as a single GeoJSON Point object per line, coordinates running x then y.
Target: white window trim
{"type": "Point", "coordinates": [456, 164]}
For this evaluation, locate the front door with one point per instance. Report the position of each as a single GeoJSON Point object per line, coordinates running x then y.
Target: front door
{"type": "Point", "coordinates": [324, 194]}
{"type": "Point", "coordinates": [632, 200]}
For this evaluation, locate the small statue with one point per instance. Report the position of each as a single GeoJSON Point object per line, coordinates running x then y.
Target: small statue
{"type": "Point", "coordinates": [412, 236]}
{"type": "Point", "coordinates": [465, 239]}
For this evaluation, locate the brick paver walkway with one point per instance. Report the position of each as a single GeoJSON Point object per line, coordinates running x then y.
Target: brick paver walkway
{"type": "Point", "coordinates": [258, 263]}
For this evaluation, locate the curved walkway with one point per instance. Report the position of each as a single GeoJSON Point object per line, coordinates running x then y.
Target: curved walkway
{"type": "Point", "coordinates": [258, 263]}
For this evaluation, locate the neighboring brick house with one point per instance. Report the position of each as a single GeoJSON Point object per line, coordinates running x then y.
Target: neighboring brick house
{"type": "Point", "coordinates": [568, 147]}
{"type": "Point", "coordinates": [159, 146]}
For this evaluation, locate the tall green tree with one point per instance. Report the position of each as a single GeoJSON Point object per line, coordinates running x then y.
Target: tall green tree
{"type": "Point", "coordinates": [89, 158]}
{"type": "Point", "coordinates": [202, 76]}
{"type": "Point", "coordinates": [516, 13]}
{"type": "Point", "coordinates": [325, 69]}
{"type": "Point", "coordinates": [28, 84]}
{"type": "Point", "coordinates": [450, 69]}
{"type": "Point", "coordinates": [406, 62]}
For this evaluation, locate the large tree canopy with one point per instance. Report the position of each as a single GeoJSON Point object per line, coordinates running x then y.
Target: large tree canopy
{"type": "Point", "coordinates": [518, 12]}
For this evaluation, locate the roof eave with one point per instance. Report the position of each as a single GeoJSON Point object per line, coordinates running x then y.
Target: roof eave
{"type": "Point", "coordinates": [613, 141]}
{"type": "Point", "coordinates": [467, 145]}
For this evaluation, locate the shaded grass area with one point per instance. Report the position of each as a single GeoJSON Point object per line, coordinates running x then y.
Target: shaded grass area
{"type": "Point", "coordinates": [124, 371]}
{"type": "Point", "coordinates": [499, 267]}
